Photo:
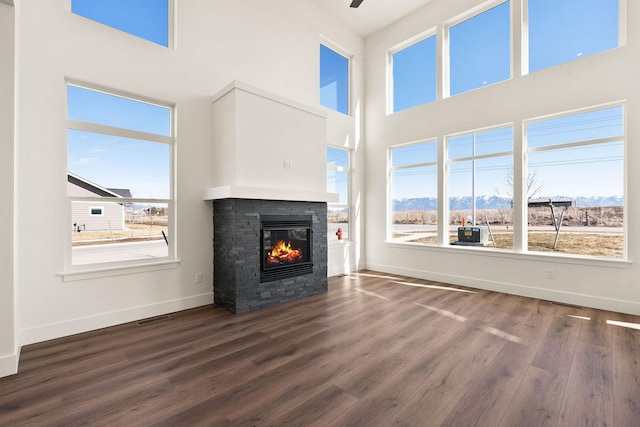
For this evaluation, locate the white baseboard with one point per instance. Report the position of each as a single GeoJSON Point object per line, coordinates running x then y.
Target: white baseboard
{"type": "Point", "coordinates": [103, 320]}
{"type": "Point", "coordinates": [8, 364]}
{"type": "Point", "coordinates": [584, 300]}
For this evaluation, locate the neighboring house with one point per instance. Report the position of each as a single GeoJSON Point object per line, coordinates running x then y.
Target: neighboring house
{"type": "Point", "coordinates": [99, 214]}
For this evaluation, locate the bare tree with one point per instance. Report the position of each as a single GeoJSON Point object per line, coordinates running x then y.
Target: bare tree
{"type": "Point", "coordinates": [533, 186]}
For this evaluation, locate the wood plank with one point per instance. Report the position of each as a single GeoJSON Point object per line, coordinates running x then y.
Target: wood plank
{"type": "Point", "coordinates": [376, 349]}
{"type": "Point", "coordinates": [588, 400]}
{"type": "Point", "coordinates": [537, 400]}
{"type": "Point", "coordinates": [626, 382]}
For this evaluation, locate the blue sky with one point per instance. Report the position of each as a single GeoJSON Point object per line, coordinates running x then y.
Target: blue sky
{"type": "Point", "coordinates": [116, 162]}
{"type": "Point", "coordinates": [147, 19]}
{"type": "Point", "coordinates": [559, 31]}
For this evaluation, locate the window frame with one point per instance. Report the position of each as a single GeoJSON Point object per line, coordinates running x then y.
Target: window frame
{"type": "Point", "coordinates": [97, 208]}
{"type": "Point", "coordinates": [418, 38]}
{"type": "Point", "coordinates": [348, 170]}
{"type": "Point", "coordinates": [574, 144]}
{"type": "Point", "coordinates": [73, 271]}
{"type": "Point", "coordinates": [472, 158]}
{"type": "Point", "coordinates": [390, 171]}
{"type": "Point", "coordinates": [336, 48]}
{"type": "Point", "coordinates": [525, 60]}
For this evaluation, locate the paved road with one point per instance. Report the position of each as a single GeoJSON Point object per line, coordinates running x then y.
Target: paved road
{"type": "Point", "coordinates": [118, 252]}
{"type": "Point", "coordinates": [408, 228]}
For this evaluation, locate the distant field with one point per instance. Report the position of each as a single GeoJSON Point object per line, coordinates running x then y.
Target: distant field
{"type": "Point", "coordinates": [592, 231]}
{"type": "Point", "coordinates": [609, 245]}
{"type": "Point", "coordinates": [606, 216]}
{"type": "Point", "coordinates": [140, 230]}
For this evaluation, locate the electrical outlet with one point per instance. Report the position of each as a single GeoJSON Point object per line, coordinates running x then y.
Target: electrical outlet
{"type": "Point", "coordinates": [550, 273]}
{"type": "Point", "coordinates": [198, 277]}
{"type": "Point", "coordinates": [288, 165]}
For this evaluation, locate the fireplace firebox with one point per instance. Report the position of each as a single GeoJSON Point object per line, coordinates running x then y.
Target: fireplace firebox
{"type": "Point", "coordinates": [285, 246]}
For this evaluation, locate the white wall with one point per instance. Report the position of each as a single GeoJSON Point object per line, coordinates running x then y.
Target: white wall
{"type": "Point", "coordinates": [270, 45]}
{"type": "Point", "coordinates": [605, 77]}
{"type": "Point", "coordinates": [8, 350]}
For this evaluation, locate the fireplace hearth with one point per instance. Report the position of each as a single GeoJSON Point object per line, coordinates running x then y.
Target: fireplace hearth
{"type": "Point", "coordinates": [268, 252]}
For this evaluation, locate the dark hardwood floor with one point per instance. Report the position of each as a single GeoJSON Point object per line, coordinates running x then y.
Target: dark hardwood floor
{"type": "Point", "coordinates": [375, 350]}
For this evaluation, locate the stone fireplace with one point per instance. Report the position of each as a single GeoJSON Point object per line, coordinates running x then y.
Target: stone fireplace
{"type": "Point", "coordinates": [268, 186]}
{"type": "Point", "coordinates": [243, 280]}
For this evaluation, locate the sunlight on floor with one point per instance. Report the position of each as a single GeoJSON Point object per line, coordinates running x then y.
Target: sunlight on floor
{"type": "Point", "coordinates": [624, 324]}
{"type": "Point", "coordinates": [444, 288]}
{"type": "Point", "coordinates": [443, 312]}
{"type": "Point", "coordinates": [578, 317]}
{"type": "Point", "coordinates": [372, 294]}
{"type": "Point", "coordinates": [502, 334]}
{"type": "Point", "coordinates": [376, 275]}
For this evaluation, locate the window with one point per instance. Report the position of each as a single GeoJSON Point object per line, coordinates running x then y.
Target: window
{"type": "Point", "coordinates": [414, 193]}
{"type": "Point", "coordinates": [481, 185]}
{"type": "Point", "coordinates": [338, 181]}
{"type": "Point", "coordinates": [119, 151]}
{"type": "Point", "coordinates": [413, 75]}
{"type": "Point", "coordinates": [480, 50]}
{"type": "Point", "coordinates": [561, 31]}
{"type": "Point", "coordinates": [578, 162]}
{"type": "Point", "coordinates": [147, 19]}
{"type": "Point", "coordinates": [334, 80]}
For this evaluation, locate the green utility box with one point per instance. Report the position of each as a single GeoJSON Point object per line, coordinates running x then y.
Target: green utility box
{"type": "Point", "coordinates": [473, 235]}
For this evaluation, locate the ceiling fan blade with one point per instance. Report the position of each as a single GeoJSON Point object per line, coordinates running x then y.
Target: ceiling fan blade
{"type": "Point", "coordinates": [356, 3]}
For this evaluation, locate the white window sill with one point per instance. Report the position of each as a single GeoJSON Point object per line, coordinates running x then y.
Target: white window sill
{"type": "Point", "coordinates": [93, 272]}
{"type": "Point", "coordinates": [502, 253]}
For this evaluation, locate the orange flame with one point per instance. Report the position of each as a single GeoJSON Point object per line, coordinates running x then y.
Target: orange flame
{"type": "Point", "coordinates": [282, 253]}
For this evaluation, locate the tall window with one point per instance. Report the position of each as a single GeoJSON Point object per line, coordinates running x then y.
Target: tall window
{"type": "Point", "coordinates": [578, 162]}
{"type": "Point", "coordinates": [481, 184]}
{"type": "Point", "coordinates": [338, 181]}
{"type": "Point", "coordinates": [480, 50]}
{"type": "Point", "coordinates": [334, 80]}
{"type": "Point", "coordinates": [561, 31]}
{"type": "Point", "coordinates": [414, 74]}
{"type": "Point", "coordinates": [147, 19]}
{"type": "Point", "coordinates": [414, 193]}
{"type": "Point", "coordinates": [119, 159]}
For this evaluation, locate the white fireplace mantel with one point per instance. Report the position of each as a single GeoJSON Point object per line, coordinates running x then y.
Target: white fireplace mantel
{"type": "Point", "coordinates": [267, 147]}
{"type": "Point", "coordinates": [262, 193]}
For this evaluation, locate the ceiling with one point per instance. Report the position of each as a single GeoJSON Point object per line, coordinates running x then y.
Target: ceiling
{"type": "Point", "coordinates": [372, 15]}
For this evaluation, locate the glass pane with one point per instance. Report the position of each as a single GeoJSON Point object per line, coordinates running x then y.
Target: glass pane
{"type": "Point", "coordinates": [494, 141]}
{"type": "Point", "coordinates": [480, 50]}
{"type": "Point", "coordinates": [489, 193]}
{"type": "Point", "coordinates": [414, 75]}
{"type": "Point", "coordinates": [337, 157]}
{"type": "Point", "coordinates": [337, 219]}
{"type": "Point", "coordinates": [481, 143]}
{"type": "Point", "coordinates": [414, 205]}
{"type": "Point", "coordinates": [122, 232]}
{"type": "Point", "coordinates": [414, 154]}
{"type": "Point", "coordinates": [460, 146]}
{"type": "Point", "coordinates": [148, 19]}
{"type": "Point", "coordinates": [140, 168]}
{"type": "Point", "coordinates": [97, 107]}
{"type": "Point", "coordinates": [338, 182]}
{"type": "Point", "coordinates": [604, 123]}
{"type": "Point", "coordinates": [334, 80]}
{"type": "Point", "coordinates": [561, 31]}
{"type": "Point", "coordinates": [589, 204]}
